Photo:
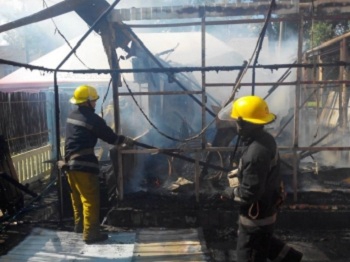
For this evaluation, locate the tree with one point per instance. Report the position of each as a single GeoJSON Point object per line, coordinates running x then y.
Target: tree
{"type": "Point", "coordinates": [320, 31]}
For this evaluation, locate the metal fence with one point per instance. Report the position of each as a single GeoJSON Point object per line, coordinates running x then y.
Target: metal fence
{"type": "Point", "coordinates": [23, 120]}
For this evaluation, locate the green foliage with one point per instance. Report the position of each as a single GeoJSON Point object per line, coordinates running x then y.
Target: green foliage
{"type": "Point", "coordinates": [321, 32]}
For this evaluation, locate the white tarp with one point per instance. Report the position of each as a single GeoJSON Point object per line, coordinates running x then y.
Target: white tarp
{"type": "Point", "coordinates": [187, 53]}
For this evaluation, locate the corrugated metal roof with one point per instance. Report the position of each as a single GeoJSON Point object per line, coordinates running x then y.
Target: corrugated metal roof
{"type": "Point", "coordinates": [141, 245]}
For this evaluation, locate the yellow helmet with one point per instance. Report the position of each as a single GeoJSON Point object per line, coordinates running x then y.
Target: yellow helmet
{"type": "Point", "coordinates": [84, 93]}
{"type": "Point", "coordinates": [252, 109]}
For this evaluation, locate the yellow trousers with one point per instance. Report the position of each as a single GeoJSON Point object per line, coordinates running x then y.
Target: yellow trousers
{"type": "Point", "coordinates": [85, 197]}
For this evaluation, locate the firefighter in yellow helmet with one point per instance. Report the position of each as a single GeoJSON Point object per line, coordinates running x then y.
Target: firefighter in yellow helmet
{"type": "Point", "coordinates": [83, 128]}
{"type": "Point", "coordinates": [256, 184]}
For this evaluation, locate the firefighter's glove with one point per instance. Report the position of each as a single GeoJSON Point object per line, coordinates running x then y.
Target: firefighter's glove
{"type": "Point", "coordinates": [233, 179]}
{"type": "Point", "coordinates": [125, 141]}
{"type": "Point", "coordinates": [233, 182]}
{"type": "Point", "coordinates": [228, 193]}
{"type": "Point", "coordinates": [62, 165]}
{"type": "Point", "coordinates": [232, 173]}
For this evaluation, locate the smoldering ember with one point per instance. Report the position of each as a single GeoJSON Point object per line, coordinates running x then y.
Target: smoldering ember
{"type": "Point", "coordinates": [165, 81]}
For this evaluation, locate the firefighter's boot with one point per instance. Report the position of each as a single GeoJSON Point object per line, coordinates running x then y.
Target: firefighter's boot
{"type": "Point", "coordinates": [282, 252]}
{"type": "Point", "coordinates": [99, 238]}
{"type": "Point", "coordinates": [293, 256]}
{"type": "Point", "coordinates": [78, 228]}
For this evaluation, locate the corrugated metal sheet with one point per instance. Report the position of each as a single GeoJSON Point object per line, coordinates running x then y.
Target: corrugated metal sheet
{"type": "Point", "coordinates": [142, 245]}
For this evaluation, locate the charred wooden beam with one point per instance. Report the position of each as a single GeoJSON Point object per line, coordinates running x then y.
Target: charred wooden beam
{"type": "Point", "coordinates": [196, 11]}
{"type": "Point", "coordinates": [332, 6]}
{"type": "Point", "coordinates": [91, 10]}
{"type": "Point", "coordinates": [53, 11]}
{"type": "Point", "coordinates": [319, 8]}
{"type": "Point", "coordinates": [17, 184]}
{"type": "Point", "coordinates": [82, 7]}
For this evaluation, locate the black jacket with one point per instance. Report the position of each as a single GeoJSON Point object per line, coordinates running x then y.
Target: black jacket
{"type": "Point", "coordinates": [83, 128]}
{"type": "Point", "coordinates": [259, 176]}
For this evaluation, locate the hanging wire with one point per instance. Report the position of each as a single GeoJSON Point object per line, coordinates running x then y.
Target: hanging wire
{"type": "Point", "coordinates": [105, 96]}
{"type": "Point", "coordinates": [260, 42]}
{"type": "Point", "coordinates": [255, 52]}
{"type": "Point", "coordinates": [155, 127]}
{"type": "Point", "coordinates": [64, 38]}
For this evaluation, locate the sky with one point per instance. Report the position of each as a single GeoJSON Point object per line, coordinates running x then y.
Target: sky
{"type": "Point", "coordinates": [15, 9]}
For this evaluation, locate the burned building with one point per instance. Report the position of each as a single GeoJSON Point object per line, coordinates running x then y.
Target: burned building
{"type": "Point", "coordinates": [165, 71]}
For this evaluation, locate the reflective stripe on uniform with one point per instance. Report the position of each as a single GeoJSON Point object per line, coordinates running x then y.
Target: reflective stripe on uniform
{"type": "Point", "coordinates": [257, 222]}
{"type": "Point", "coordinates": [282, 254]}
{"type": "Point", "coordinates": [82, 163]}
{"type": "Point", "coordinates": [79, 123]}
{"type": "Point", "coordinates": [83, 152]}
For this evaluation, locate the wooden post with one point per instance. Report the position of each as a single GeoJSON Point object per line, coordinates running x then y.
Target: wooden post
{"type": "Point", "coordinates": [108, 34]}
{"type": "Point", "coordinates": [296, 112]}
{"type": "Point", "coordinates": [196, 177]}
{"type": "Point", "coordinates": [343, 96]}
{"type": "Point", "coordinates": [203, 80]}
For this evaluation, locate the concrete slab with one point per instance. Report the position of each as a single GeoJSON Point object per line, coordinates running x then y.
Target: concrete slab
{"type": "Point", "coordinates": [48, 245]}
{"type": "Point", "coordinates": [142, 245]}
{"type": "Point", "coordinates": [170, 245]}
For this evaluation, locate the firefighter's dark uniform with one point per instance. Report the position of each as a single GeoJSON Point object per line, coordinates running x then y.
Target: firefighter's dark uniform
{"type": "Point", "coordinates": [83, 128]}
{"type": "Point", "coordinates": [260, 192]}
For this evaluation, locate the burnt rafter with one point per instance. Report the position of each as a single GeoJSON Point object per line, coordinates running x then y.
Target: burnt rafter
{"type": "Point", "coordinates": [316, 8]}
{"type": "Point", "coordinates": [182, 69]}
{"type": "Point", "coordinates": [53, 11]}
{"type": "Point", "coordinates": [82, 7]}
{"type": "Point", "coordinates": [197, 11]}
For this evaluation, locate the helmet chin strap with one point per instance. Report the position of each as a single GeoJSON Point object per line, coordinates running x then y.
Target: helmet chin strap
{"type": "Point", "coordinates": [89, 104]}
{"type": "Point", "coordinates": [233, 153]}
{"type": "Point", "coordinates": [89, 99]}
{"type": "Point", "coordinates": [240, 125]}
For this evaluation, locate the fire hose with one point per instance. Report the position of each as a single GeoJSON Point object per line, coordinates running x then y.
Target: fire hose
{"type": "Point", "coordinates": [188, 159]}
